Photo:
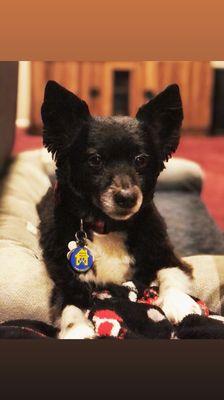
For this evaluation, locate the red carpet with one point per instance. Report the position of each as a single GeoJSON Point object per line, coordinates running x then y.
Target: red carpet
{"type": "Point", "coordinates": [207, 151]}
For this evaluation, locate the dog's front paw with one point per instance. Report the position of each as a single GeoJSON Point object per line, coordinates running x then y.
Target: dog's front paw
{"type": "Point", "coordinates": [81, 331]}
{"type": "Point", "coordinates": [177, 305]}
{"type": "Point", "coordinates": [75, 325]}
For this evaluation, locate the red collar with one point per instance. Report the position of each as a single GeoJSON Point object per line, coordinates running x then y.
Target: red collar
{"type": "Point", "coordinates": [98, 226]}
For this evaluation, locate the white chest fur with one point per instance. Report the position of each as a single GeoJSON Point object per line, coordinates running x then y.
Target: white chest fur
{"type": "Point", "coordinates": [112, 261]}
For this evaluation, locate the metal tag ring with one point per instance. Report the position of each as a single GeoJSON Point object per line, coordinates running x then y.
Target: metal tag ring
{"type": "Point", "coordinates": [80, 236]}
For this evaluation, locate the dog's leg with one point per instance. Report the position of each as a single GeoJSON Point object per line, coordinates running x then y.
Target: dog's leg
{"type": "Point", "coordinates": [174, 299]}
{"type": "Point", "coordinates": [74, 324]}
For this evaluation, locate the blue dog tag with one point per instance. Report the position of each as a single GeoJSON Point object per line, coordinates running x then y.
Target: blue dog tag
{"type": "Point", "coordinates": [81, 259]}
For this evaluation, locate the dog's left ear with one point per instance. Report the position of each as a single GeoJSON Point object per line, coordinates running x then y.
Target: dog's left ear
{"type": "Point", "coordinates": [164, 114]}
{"type": "Point", "coordinates": [64, 116]}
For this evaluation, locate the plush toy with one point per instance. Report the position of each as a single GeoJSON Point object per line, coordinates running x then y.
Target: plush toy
{"type": "Point", "coordinates": [128, 311]}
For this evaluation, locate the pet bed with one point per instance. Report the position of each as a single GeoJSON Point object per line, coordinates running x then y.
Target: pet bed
{"type": "Point", "coordinates": [24, 284]}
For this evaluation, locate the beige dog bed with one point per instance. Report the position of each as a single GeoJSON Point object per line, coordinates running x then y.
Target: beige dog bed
{"type": "Point", "coordinates": [24, 284]}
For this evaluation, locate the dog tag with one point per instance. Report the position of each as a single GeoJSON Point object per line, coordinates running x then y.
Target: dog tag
{"type": "Point", "coordinates": [80, 258]}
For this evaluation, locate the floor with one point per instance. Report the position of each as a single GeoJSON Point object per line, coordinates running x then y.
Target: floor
{"type": "Point", "coordinates": [207, 151]}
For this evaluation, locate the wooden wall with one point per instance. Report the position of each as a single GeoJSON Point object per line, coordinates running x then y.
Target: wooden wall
{"type": "Point", "coordinates": [194, 77]}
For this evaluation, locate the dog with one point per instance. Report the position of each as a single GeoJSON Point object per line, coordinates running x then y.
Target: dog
{"type": "Point", "coordinates": [106, 169]}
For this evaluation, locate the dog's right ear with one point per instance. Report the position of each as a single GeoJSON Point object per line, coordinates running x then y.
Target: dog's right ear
{"type": "Point", "coordinates": [64, 115]}
{"type": "Point", "coordinates": [165, 114]}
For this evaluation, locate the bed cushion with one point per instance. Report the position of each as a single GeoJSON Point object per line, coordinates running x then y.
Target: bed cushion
{"type": "Point", "coordinates": [181, 174]}
{"type": "Point", "coordinates": [24, 284]}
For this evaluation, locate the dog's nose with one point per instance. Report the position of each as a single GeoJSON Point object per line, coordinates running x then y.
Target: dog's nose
{"type": "Point", "coordinates": [125, 198]}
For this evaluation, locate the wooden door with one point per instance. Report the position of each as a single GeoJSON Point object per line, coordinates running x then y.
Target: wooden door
{"type": "Point", "coordinates": [95, 83]}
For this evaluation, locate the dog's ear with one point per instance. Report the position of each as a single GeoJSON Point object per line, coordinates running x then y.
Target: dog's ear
{"type": "Point", "coordinates": [64, 116]}
{"type": "Point", "coordinates": [164, 114]}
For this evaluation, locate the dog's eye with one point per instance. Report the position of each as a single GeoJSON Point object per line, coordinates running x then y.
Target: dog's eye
{"type": "Point", "coordinates": [95, 160]}
{"type": "Point", "coordinates": [141, 161]}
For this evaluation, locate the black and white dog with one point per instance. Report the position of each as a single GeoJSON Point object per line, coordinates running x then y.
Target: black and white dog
{"type": "Point", "coordinates": [107, 170]}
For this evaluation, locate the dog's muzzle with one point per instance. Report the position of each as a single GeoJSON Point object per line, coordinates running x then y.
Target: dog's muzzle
{"type": "Point", "coordinates": [121, 203]}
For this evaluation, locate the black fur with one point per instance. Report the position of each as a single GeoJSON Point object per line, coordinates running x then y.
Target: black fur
{"type": "Point", "coordinates": [71, 134]}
